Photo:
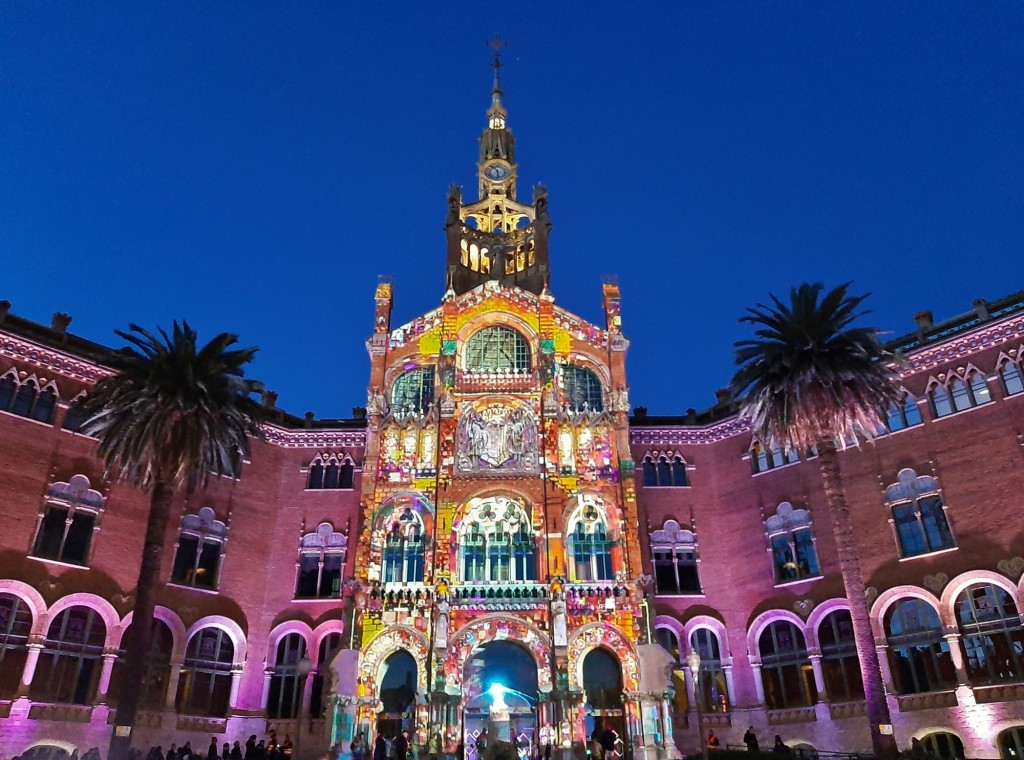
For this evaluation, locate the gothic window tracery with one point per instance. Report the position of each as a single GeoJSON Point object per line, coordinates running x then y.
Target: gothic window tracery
{"type": "Point", "coordinates": [919, 656]}
{"type": "Point", "coordinates": [497, 348]}
{"type": "Point", "coordinates": [590, 542]}
{"type": "Point", "coordinates": [674, 556]}
{"type": "Point", "coordinates": [959, 391]}
{"type": "Point", "coordinates": [581, 389]}
{"type": "Point", "coordinates": [664, 469]}
{"type": "Point", "coordinates": [1010, 376]}
{"type": "Point", "coordinates": [413, 391]}
{"type": "Point", "coordinates": [199, 550]}
{"type": "Point", "coordinates": [286, 682]}
{"type": "Point", "coordinates": [68, 521]}
{"type": "Point", "coordinates": [25, 399]}
{"type": "Point", "coordinates": [329, 472]}
{"type": "Point", "coordinates": [903, 414]}
{"type": "Point", "coordinates": [403, 547]}
{"type": "Point", "coordinates": [791, 540]}
{"type": "Point", "coordinates": [786, 667]}
{"type": "Point", "coordinates": [204, 687]}
{"type": "Point", "coordinates": [69, 664]}
{"type": "Point", "coordinates": [321, 563]}
{"type": "Point", "coordinates": [496, 543]}
{"type": "Point", "coordinates": [918, 515]}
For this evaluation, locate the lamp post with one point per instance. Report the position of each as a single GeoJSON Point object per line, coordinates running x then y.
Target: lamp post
{"type": "Point", "coordinates": [304, 667]}
{"type": "Point", "coordinates": [693, 663]}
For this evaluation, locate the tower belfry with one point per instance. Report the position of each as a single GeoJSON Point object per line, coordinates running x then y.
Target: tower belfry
{"type": "Point", "coordinates": [497, 237]}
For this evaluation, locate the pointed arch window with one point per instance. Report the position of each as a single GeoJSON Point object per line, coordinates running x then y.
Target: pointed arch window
{"type": "Point", "coordinates": [67, 522]}
{"type": "Point", "coordinates": [413, 391]}
{"type": "Point", "coordinates": [786, 667]}
{"type": "Point", "coordinates": [581, 389]}
{"type": "Point", "coordinates": [26, 400]}
{"type": "Point", "coordinates": [839, 662]}
{"type": "Point", "coordinates": [674, 554]}
{"type": "Point", "coordinates": [199, 550]}
{"type": "Point", "coordinates": [791, 542]}
{"type": "Point", "coordinates": [590, 545]}
{"type": "Point", "coordinates": [74, 419]}
{"type": "Point", "coordinates": [919, 657]}
{"type": "Point", "coordinates": [918, 515]}
{"type": "Point", "coordinates": [764, 458]}
{"type": "Point", "coordinates": [496, 543]}
{"type": "Point", "coordinates": [1010, 377]}
{"type": "Point", "coordinates": [664, 470]}
{"type": "Point", "coordinates": [959, 392]}
{"type": "Point", "coordinates": [497, 348]}
{"type": "Point", "coordinates": [204, 687]}
{"type": "Point", "coordinates": [15, 627]}
{"type": "Point", "coordinates": [286, 683]}
{"type": "Point", "coordinates": [403, 549]}
{"type": "Point", "coordinates": [903, 414]}
{"type": "Point", "coordinates": [321, 563]}
{"type": "Point", "coordinates": [331, 472]}
{"type": "Point", "coordinates": [714, 687]}
{"type": "Point", "coordinates": [991, 634]}
{"type": "Point", "coordinates": [69, 664]}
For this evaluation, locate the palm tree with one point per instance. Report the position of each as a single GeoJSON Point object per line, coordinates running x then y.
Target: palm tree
{"type": "Point", "coordinates": [171, 415]}
{"type": "Point", "coordinates": [811, 379]}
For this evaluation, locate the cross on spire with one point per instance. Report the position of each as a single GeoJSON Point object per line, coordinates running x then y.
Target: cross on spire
{"type": "Point", "coordinates": [496, 45]}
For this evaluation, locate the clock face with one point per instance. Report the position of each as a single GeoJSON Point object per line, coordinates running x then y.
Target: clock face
{"type": "Point", "coordinates": [497, 172]}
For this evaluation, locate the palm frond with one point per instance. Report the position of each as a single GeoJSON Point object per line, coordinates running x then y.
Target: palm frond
{"type": "Point", "coordinates": [809, 373]}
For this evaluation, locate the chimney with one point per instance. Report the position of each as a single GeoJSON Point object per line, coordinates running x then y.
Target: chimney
{"type": "Point", "coordinates": [640, 412]}
{"type": "Point", "coordinates": [60, 321]}
{"type": "Point", "coordinates": [924, 320]}
{"type": "Point", "coordinates": [981, 309]}
{"type": "Point", "coordinates": [5, 309]}
{"type": "Point", "coordinates": [359, 412]}
{"type": "Point", "coordinates": [307, 422]}
{"type": "Point", "coordinates": [723, 397]}
{"type": "Point", "coordinates": [269, 399]}
{"type": "Point", "coordinates": [691, 416]}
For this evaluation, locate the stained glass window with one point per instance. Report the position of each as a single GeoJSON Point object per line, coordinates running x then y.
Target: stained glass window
{"type": "Point", "coordinates": [413, 390]}
{"type": "Point", "coordinates": [497, 348]}
{"type": "Point", "coordinates": [581, 389]}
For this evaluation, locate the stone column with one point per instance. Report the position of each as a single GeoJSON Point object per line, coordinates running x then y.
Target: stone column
{"type": "Point", "coordinates": [265, 699]}
{"type": "Point", "coordinates": [172, 686]}
{"type": "Point", "coordinates": [104, 684]}
{"type": "Point", "coordinates": [236, 680]}
{"type": "Point", "coordinates": [730, 687]}
{"type": "Point", "coordinates": [956, 654]}
{"type": "Point", "coordinates": [755, 669]}
{"type": "Point", "coordinates": [29, 671]}
{"type": "Point", "coordinates": [819, 676]}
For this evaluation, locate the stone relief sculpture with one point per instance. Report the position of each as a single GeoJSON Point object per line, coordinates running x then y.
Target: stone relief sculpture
{"type": "Point", "coordinates": [497, 437]}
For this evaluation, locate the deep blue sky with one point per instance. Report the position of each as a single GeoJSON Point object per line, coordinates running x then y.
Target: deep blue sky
{"type": "Point", "coordinates": [252, 167]}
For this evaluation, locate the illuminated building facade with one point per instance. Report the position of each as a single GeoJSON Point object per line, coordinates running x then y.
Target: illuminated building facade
{"type": "Point", "coordinates": [495, 514]}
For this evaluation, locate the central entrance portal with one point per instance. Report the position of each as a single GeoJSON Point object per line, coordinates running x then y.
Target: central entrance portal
{"type": "Point", "coordinates": [500, 688]}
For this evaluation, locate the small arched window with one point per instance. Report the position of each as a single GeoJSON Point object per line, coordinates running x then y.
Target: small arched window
{"type": "Point", "coordinates": [204, 687]}
{"type": "Point", "coordinates": [25, 399]}
{"type": "Point", "coordinates": [918, 515]}
{"type": "Point", "coordinates": [581, 389]}
{"type": "Point", "coordinates": [331, 473]}
{"type": "Point", "coordinates": [497, 348]}
{"type": "Point", "coordinates": [321, 563]}
{"type": "Point", "coordinates": [8, 387]}
{"type": "Point", "coordinates": [590, 546]}
{"type": "Point", "coordinates": [959, 393]}
{"type": "Point", "coordinates": [840, 665]}
{"type": "Point", "coordinates": [1010, 377]}
{"type": "Point", "coordinates": [286, 683]}
{"type": "Point", "coordinates": [413, 391]}
{"type": "Point", "coordinates": [903, 414]}
{"type": "Point", "coordinates": [785, 667]}
{"type": "Point", "coordinates": [991, 635]}
{"type": "Point", "coordinates": [714, 689]}
{"type": "Point", "coordinates": [944, 745]}
{"type": "Point", "coordinates": [919, 657]}
{"type": "Point", "coordinates": [15, 626]}
{"type": "Point", "coordinates": [402, 556]}
{"type": "Point", "coordinates": [199, 550]}
{"type": "Point", "coordinates": [664, 470]}
{"type": "Point", "coordinates": [674, 554]}
{"type": "Point", "coordinates": [791, 538]}
{"type": "Point", "coordinates": [71, 659]}
{"type": "Point", "coordinates": [668, 640]}
{"type": "Point", "coordinates": [68, 521]}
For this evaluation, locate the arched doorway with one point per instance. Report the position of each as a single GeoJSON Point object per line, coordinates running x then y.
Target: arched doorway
{"type": "Point", "coordinates": [397, 695]}
{"type": "Point", "coordinates": [496, 673]}
{"type": "Point", "coordinates": [605, 714]}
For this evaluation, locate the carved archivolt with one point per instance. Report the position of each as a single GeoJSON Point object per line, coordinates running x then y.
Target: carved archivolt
{"type": "Point", "coordinates": [602, 635]}
{"type": "Point", "coordinates": [383, 646]}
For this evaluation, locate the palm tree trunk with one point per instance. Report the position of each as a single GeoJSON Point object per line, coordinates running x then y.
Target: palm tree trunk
{"type": "Point", "coordinates": [137, 641]}
{"type": "Point", "coordinates": [853, 582]}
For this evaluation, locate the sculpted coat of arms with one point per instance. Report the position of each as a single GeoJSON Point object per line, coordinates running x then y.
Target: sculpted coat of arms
{"type": "Point", "coordinates": [497, 437]}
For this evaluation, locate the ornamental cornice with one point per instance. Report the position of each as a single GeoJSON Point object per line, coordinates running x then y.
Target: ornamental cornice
{"type": "Point", "coordinates": [310, 439]}
{"type": "Point", "coordinates": [679, 436]}
{"type": "Point", "coordinates": [60, 363]}
{"type": "Point", "coordinates": [962, 346]}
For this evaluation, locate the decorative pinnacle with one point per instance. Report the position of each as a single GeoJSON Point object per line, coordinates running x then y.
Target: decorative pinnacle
{"type": "Point", "coordinates": [496, 45]}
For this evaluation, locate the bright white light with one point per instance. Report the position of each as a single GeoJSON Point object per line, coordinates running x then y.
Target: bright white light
{"type": "Point", "coordinates": [497, 692]}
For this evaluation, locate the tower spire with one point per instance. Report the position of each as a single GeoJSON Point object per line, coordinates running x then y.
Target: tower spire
{"type": "Point", "coordinates": [497, 109]}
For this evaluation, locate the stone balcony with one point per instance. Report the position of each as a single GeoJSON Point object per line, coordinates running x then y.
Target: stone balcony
{"type": "Point", "coordinates": [65, 713]}
{"type": "Point", "coordinates": [791, 715]}
{"type": "Point", "coordinates": [1005, 693]}
{"type": "Point", "coordinates": [500, 596]}
{"type": "Point", "coordinates": [840, 710]}
{"type": "Point", "coordinates": [926, 701]}
{"type": "Point", "coordinates": [491, 381]}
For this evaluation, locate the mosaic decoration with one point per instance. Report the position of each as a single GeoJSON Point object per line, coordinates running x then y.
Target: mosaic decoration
{"type": "Point", "coordinates": [466, 641]}
{"type": "Point", "coordinates": [604, 635]}
{"type": "Point", "coordinates": [383, 646]}
{"type": "Point", "coordinates": [496, 437]}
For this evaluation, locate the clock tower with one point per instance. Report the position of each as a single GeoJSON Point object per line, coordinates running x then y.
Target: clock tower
{"type": "Point", "coordinates": [497, 238]}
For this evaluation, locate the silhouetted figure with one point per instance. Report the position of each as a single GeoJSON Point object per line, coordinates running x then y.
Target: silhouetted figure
{"type": "Point", "coordinates": [750, 739]}
{"type": "Point", "coordinates": [380, 748]}
{"type": "Point", "coordinates": [780, 746]}
{"type": "Point", "coordinates": [713, 741]}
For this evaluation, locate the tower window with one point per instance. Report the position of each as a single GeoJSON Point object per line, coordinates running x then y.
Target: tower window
{"type": "Point", "coordinates": [497, 348]}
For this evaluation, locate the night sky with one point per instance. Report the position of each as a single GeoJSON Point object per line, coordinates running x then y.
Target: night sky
{"type": "Point", "coordinates": [253, 167]}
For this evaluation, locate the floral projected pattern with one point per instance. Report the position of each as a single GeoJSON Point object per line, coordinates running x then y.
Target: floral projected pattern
{"type": "Point", "coordinates": [496, 437]}
{"type": "Point", "coordinates": [603, 635]}
{"type": "Point", "coordinates": [483, 631]}
{"type": "Point", "coordinates": [386, 644]}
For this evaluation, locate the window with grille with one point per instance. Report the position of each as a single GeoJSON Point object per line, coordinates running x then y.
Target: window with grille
{"type": "Point", "coordinates": [204, 687]}
{"type": "Point", "coordinates": [785, 667]}
{"type": "Point", "coordinates": [497, 348]}
{"type": "Point", "coordinates": [413, 391]}
{"type": "Point", "coordinates": [840, 665]}
{"type": "Point", "coordinates": [991, 635]}
{"type": "Point", "coordinates": [15, 626]}
{"type": "Point", "coordinates": [714, 690]}
{"type": "Point", "coordinates": [157, 667]}
{"type": "Point", "coordinates": [496, 543]}
{"type": "Point", "coordinates": [919, 657]}
{"type": "Point", "coordinates": [286, 683]}
{"type": "Point", "coordinates": [581, 389]}
{"type": "Point", "coordinates": [69, 664]}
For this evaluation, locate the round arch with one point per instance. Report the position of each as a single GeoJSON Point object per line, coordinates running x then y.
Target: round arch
{"type": "Point", "coordinates": [229, 626]}
{"type": "Point", "coordinates": [281, 630]}
{"type": "Point", "coordinates": [890, 596]}
{"type": "Point", "coordinates": [714, 625]}
{"type": "Point", "coordinates": [386, 643]}
{"type": "Point", "coordinates": [963, 581]}
{"type": "Point", "coordinates": [32, 598]}
{"type": "Point", "coordinates": [179, 636]}
{"type": "Point", "coordinates": [595, 635]}
{"type": "Point", "coordinates": [106, 610]}
{"type": "Point", "coordinates": [819, 613]}
{"type": "Point", "coordinates": [496, 628]}
{"type": "Point", "coordinates": [414, 500]}
{"type": "Point", "coordinates": [321, 632]}
{"type": "Point", "coordinates": [765, 619]}
{"type": "Point", "coordinates": [527, 326]}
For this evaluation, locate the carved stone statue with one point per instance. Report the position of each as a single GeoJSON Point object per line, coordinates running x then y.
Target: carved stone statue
{"type": "Point", "coordinates": [441, 624]}
{"type": "Point", "coordinates": [454, 204]}
{"type": "Point", "coordinates": [618, 400]}
{"type": "Point", "coordinates": [558, 627]}
{"type": "Point", "coordinates": [376, 406]}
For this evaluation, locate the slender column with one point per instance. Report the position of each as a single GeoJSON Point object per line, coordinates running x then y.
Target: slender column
{"type": "Point", "coordinates": [105, 671]}
{"type": "Point", "coordinates": [29, 671]}
{"type": "Point", "coordinates": [236, 680]}
{"type": "Point", "coordinates": [885, 667]}
{"type": "Point", "coordinates": [957, 655]}
{"type": "Point", "coordinates": [755, 668]}
{"type": "Point", "coordinates": [729, 686]}
{"type": "Point", "coordinates": [819, 677]}
{"type": "Point", "coordinates": [268, 674]}
{"type": "Point", "coordinates": [172, 686]}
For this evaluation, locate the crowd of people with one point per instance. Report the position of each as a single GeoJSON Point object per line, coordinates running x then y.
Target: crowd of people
{"type": "Point", "coordinates": [263, 749]}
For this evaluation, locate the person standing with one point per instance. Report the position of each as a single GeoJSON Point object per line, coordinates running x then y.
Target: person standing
{"type": "Point", "coordinates": [225, 752]}
{"type": "Point", "coordinates": [750, 739]}
{"type": "Point", "coordinates": [780, 746]}
{"type": "Point", "coordinates": [400, 746]}
{"type": "Point", "coordinates": [212, 752]}
{"type": "Point", "coordinates": [713, 741]}
{"type": "Point", "coordinates": [380, 748]}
